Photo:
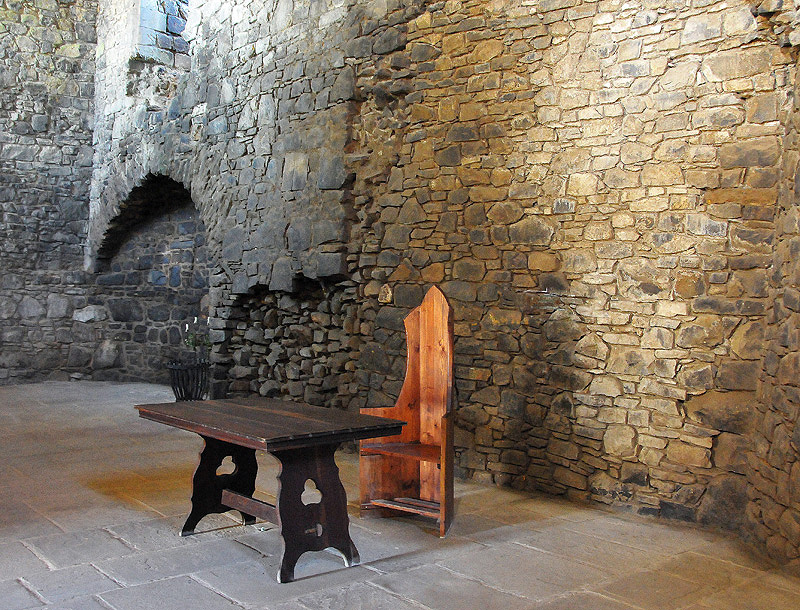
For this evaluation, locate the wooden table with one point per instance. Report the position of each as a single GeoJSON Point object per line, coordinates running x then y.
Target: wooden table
{"type": "Point", "coordinates": [303, 439]}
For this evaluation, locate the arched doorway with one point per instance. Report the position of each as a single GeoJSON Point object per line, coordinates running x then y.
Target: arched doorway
{"type": "Point", "coordinates": [148, 298]}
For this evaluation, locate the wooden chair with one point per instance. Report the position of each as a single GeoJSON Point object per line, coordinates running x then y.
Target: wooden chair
{"type": "Point", "coordinates": [413, 472]}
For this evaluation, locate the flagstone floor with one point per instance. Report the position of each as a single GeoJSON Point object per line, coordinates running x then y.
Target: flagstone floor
{"type": "Point", "coordinates": [92, 497]}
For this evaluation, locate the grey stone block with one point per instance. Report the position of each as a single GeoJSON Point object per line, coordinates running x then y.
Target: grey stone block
{"type": "Point", "coordinates": [391, 39]}
{"type": "Point", "coordinates": [332, 172]}
{"type": "Point", "coordinates": [69, 583]}
{"type": "Point", "coordinates": [172, 594]}
{"type": "Point", "coordinates": [282, 275]}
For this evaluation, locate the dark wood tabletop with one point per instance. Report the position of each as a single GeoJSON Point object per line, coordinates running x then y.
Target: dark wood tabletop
{"type": "Point", "coordinates": [269, 424]}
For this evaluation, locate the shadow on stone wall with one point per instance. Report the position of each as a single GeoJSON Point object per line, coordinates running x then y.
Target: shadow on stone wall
{"type": "Point", "coordinates": [296, 343]}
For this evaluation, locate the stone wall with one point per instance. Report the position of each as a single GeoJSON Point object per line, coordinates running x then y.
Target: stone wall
{"type": "Point", "coordinates": [296, 344]}
{"type": "Point", "coordinates": [774, 464]}
{"type": "Point", "coordinates": [594, 185]}
{"type": "Point", "coordinates": [146, 299]}
{"type": "Point", "coordinates": [161, 25]}
{"type": "Point", "coordinates": [46, 97]}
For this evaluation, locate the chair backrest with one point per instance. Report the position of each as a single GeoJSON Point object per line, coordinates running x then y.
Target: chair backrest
{"type": "Point", "coordinates": [427, 393]}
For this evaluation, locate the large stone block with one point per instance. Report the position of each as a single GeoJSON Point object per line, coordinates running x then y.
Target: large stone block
{"type": "Point", "coordinates": [332, 172]}
{"type": "Point", "coordinates": [757, 152]}
{"type": "Point", "coordinates": [733, 375]}
{"type": "Point", "coordinates": [620, 440]}
{"type": "Point", "coordinates": [726, 411]}
{"type": "Point", "coordinates": [747, 341]}
{"type": "Point", "coordinates": [391, 39]}
{"type": "Point", "coordinates": [30, 308]}
{"type": "Point", "coordinates": [106, 355]}
{"type": "Point", "coordinates": [724, 502]}
{"type": "Point", "coordinates": [627, 360]}
{"type": "Point", "coordinates": [700, 28]}
{"type": "Point", "coordinates": [730, 452]}
{"type": "Point", "coordinates": [295, 171]}
{"type": "Point", "coordinates": [737, 63]}
{"type": "Point", "coordinates": [532, 231]}
{"type": "Point", "coordinates": [687, 454]}
{"type": "Point", "coordinates": [562, 327]}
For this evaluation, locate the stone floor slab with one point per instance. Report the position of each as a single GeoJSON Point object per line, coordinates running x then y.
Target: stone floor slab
{"type": "Point", "coordinates": [709, 571]}
{"type": "Point", "coordinates": [14, 596]}
{"type": "Point", "coordinates": [16, 560]}
{"type": "Point", "coordinates": [70, 583]}
{"type": "Point", "coordinates": [753, 596]}
{"type": "Point", "coordinates": [357, 596]}
{"type": "Point", "coordinates": [583, 601]}
{"type": "Point", "coordinates": [70, 549]}
{"type": "Point", "coordinates": [19, 521]}
{"type": "Point", "coordinates": [180, 593]}
{"type": "Point", "coordinates": [646, 535]}
{"type": "Point", "coordinates": [655, 590]}
{"type": "Point", "coordinates": [144, 567]}
{"type": "Point", "coordinates": [254, 583]}
{"type": "Point", "coordinates": [80, 603]}
{"type": "Point", "coordinates": [604, 554]}
{"type": "Point", "coordinates": [438, 588]}
{"type": "Point", "coordinates": [526, 572]}
{"type": "Point", "coordinates": [164, 533]}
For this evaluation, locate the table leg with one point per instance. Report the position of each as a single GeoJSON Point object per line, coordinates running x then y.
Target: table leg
{"type": "Point", "coordinates": [207, 485]}
{"type": "Point", "coordinates": [311, 527]}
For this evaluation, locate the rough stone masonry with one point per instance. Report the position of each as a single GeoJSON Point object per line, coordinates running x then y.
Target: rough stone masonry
{"type": "Point", "coordinates": [605, 191]}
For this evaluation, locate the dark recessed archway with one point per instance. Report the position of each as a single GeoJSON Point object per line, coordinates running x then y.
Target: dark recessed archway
{"type": "Point", "coordinates": [157, 196]}
{"type": "Point", "coordinates": [152, 281]}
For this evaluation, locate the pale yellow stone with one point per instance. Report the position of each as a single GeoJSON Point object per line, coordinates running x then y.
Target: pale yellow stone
{"type": "Point", "coordinates": [679, 452]}
{"type": "Point", "coordinates": [486, 50]}
{"type": "Point", "coordinates": [582, 184]}
{"type": "Point", "coordinates": [662, 174]}
{"type": "Point", "coordinates": [596, 231]}
{"type": "Point", "coordinates": [620, 440]}
{"type": "Point", "coordinates": [448, 109]}
{"type": "Point", "coordinates": [542, 261]}
{"type": "Point", "coordinates": [607, 385]}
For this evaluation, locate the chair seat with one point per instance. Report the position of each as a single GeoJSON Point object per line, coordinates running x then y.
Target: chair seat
{"type": "Point", "coordinates": [418, 451]}
{"type": "Point", "coordinates": [411, 505]}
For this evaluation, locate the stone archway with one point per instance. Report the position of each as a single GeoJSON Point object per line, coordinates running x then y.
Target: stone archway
{"type": "Point", "coordinates": [151, 281]}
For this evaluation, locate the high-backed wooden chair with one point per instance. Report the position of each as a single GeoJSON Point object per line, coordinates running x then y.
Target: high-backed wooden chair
{"type": "Point", "coordinates": [413, 471]}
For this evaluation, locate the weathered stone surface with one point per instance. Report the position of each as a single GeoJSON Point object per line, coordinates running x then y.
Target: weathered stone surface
{"type": "Point", "coordinates": [332, 173]}
{"type": "Point", "coordinates": [391, 39]}
{"type": "Point", "coordinates": [106, 355]}
{"type": "Point", "coordinates": [748, 340]}
{"type": "Point", "coordinates": [90, 313]}
{"type": "Point", "coordinates": [725, 411]}
{"type": "Point", "coordinates": [532, 231]}
{"type": "Point", "coordinates": [505, 213]}
{"type": "Point", "coordinates": [606, 385]}
{"type": "Point", "coordinates": [759, 152]}
{"type": "Point", "coordinates": [705, 331]}
{"type": "Point", "coordinates": [684, 453]}
{"type": "Point", "coordinates": [620, 440]}
{"type": "Point", "coordinates": [734, 375]}
{"type": "Point", "coordinates": [562, 327]}
{"type": "Point", "coordinates": [730, 452]}
{"type": "Point", "coordinates": [30, 308]}
{"type": "Point", "coordinates": [630, 361]}
{"type": "Point", "coordinates": [722, 502]}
